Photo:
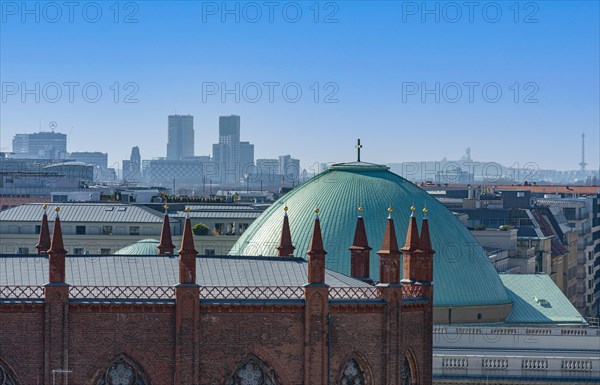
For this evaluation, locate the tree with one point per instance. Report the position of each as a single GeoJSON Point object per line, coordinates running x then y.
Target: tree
{"type": "Point", "coordinates": [200, 229]}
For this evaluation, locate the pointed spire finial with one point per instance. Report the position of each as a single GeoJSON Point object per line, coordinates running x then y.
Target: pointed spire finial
{"type": "Point", "coordinates": [57, 253]}
{"type": "Point", "coordinates": [425, 211]}
{"type": "Point", "coordinates": [285, 248]}
{"type": "Point", "coordinates": [425, 239]}
{"type": "Point", "coordinates": [57, 209]}
{"type": "Point", "coordinates": [413, 209]}
{"type": "Point", "coordinates": [187, 254]}
{"type": "Point", "coordinates": [412, 234]}
{"type": "Point", "coordinates": [389, 261]}
{"type": "Point", "coordinates": [316, 254]}
{"type": "Point", "coordinates": [358, 147]}
{"type": "Point", "coordinates": [359, 252]}
{"type": "Point", "coordinates": [166, 245]}
{"type": "Point", "coordinates": [44, 241]}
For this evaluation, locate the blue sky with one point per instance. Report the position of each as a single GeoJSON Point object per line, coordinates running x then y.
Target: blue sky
{"type": "Point", "coordinates": [363, 69]}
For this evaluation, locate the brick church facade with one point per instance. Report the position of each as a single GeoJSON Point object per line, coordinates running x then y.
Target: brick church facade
{"type": "Point", "coordinates": [180, 318]}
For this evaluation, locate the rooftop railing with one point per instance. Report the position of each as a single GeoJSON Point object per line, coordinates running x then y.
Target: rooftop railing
{"type": "Point", "coordinates": [354, 293]}
{"type": "Point", "coordinates": [251, 292]}
{"type": "Point", "coordinates": [21, 292]}
{"type": "Point", "coordinates": [122, 292]}
{"type": "Point", "coordinates": [142, 293]}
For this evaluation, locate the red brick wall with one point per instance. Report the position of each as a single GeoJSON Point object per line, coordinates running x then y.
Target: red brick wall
{"type": "Point", "coordinates": [228, 333]}
{"type": "Point", "coordinates": [274, 337]}
{"type": "Point", "coordinates": [97, 333]}
{"type": "Point", "coordinates": [352, 333]}
{"type": "Point", "coordinates": [414, 337]}
{"type": "Point", "coordinates": [22, 340]}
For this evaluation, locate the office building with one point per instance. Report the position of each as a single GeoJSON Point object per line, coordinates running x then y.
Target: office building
{"type": "Point", "coordinates": [233, 158]}
{"type": "Point", "coordinates": [180, 143]}
{"type": "Point", "coordinates": [40, 145]}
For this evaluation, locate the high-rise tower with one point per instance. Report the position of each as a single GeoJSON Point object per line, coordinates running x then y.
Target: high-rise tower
{"type": "Point", "coordinates": [234, 158]}
{"type": "Point", "coordinates": [135, 159]}
{"type": "Point", "coordinates": [181, 137]}
{"type": "Point", "coordinates": [582, 164]}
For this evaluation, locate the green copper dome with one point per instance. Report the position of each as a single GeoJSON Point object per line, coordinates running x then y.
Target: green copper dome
{"type": "Point", "coordinates": [463, 275]}
{"type": "Point", "coordinates": [142, 247]}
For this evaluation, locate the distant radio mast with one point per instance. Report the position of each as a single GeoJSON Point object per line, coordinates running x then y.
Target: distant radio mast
{"type": "Point", "coordinates": [582, 164]}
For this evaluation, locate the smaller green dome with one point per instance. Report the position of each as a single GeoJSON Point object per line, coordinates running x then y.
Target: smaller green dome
{"type": "Point", "coordinates": [143, 247]}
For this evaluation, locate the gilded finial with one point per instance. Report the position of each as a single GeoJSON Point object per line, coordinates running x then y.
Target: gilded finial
{"type": "Point", "coordinates": [390, 210]}
{"type": "Point", "coordinates": [57, 209]}
{"type": "Point", "coordinates": [285, 208]}
{"type": "Point", "coordinates": [360, 209]}
{"type": "Point", "coordinates": [187, 213]}
{"type": "Point", "coordinates": [413, 209]}
{"type": "Point", "coordinates": [425, 211]}
{"type": "Point", "coordinates": [45, 207]}
{"type": "Point", "coordinates": [166, 207]}
{"type": "Point", "coordinates": [317, 213]}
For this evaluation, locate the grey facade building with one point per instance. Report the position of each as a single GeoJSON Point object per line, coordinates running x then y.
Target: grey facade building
{"type": "Point", "coordinates": [233, 158]}
{"type": "Point", "coordinates": [289, 168]}
{"type": "Point", "coordinates": [97, 159]}
{"type": "Point", "coordinates": [187, 173]}
{"type": "Point", "coordinates": [181, 137]}
{"type": "Point", "coordinates": [582, 214]}
{"type": "Point", "coordinates": [41, 145]}
{"type": "Point", "coordinates": [247, 166]}
{"type": "Point", "coordinates": [20, 144]}
{"type": "Point", "coordinates": [268, 169]}
{"type": "Point", "coordinates": [132, 168]}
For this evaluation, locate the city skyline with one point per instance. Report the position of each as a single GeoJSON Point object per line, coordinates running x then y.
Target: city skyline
{"type": "Point", "coordinates": [465, 156]}
{"type": "Point", "coordinates": [548, 80]}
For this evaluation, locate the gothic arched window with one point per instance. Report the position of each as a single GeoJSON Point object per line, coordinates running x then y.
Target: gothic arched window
{"type": "Point", "coordinates": [252, 372]}
{"type": "Point", "coordinates": [353, 374]}
{"type": "Point", "coordinates": [5, 376]}
{"type": "Point", "coordinates": [408, 371]}
{"type": "Point", "coordinates": [405, 374]}
{"type": "Point", "coordinates": [122, 371]}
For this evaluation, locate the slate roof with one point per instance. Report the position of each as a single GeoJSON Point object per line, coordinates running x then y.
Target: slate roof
{"type": "Point", "coordinates": [83, 212]}
{"type": "Point", "coordinates": [156, 270]}
{"type": "Point", "coordinates": [527, 291]}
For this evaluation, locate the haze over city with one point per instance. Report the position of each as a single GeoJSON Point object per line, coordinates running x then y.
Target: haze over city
{"type": "Point", "coordinates": [410, 84]}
